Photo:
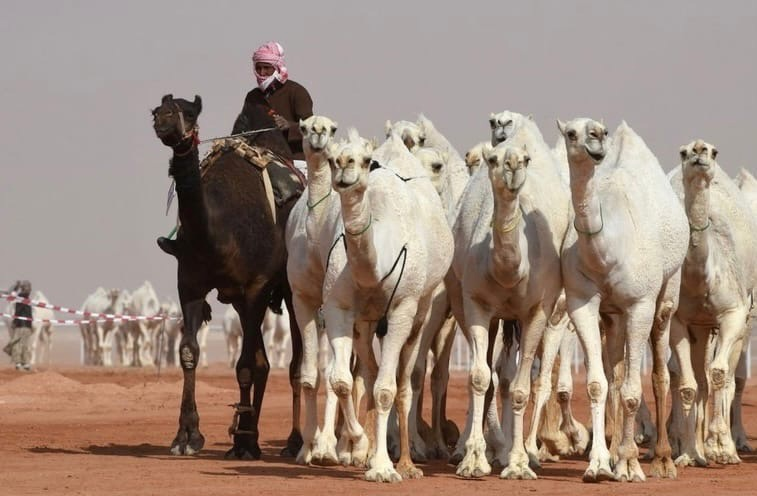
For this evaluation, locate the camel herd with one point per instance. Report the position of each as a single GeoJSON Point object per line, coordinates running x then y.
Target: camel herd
{"type": "Point", "coordinates": [588, 239]}
{"type": "Point", "coordinates": [529, 249]}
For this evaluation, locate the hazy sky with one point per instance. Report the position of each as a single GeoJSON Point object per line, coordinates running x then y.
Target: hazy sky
{"type": "Point", "coordinates": [84, 179]}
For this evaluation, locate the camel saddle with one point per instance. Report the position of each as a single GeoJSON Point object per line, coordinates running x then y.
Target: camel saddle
{"type": "Point", "coordinates": [281, 178]}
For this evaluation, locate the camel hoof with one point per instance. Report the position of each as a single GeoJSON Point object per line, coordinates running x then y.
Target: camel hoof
{"type": "Point", "coordinates": [474, 465]}
{"type": "Point", "coordinates": [324, 452]}
{"type": "Point", "coordinates": [664, 468]}
{"type": "Point", "coordinates": [599, 470]}
{"type": "Point", "coordinates": [409, 471]}
{"type": "Point", "coordinates": [187, 443]}
{"type": "Point", "coordinates": [386, 474]}
{"type": "Point", "coordinates": [456, 458]}
{"type": "Point", "coordinates": [243, 453]}
{"type": "Point", "coordinates": [629, 470]}
{"type": "Point", "coordinates": [293, 446]}
{"type": "Point", "coordinates": [686, 460]}
{"type": "Point", "coordinates": [743, 446]}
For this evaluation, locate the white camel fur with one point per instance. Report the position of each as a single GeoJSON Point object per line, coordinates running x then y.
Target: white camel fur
{"type": "Point", "coordinates": [507, 240]}
{"type": "Point", "coordinates": [391, 251]}
{"type": "Point", "coordinates": [308, 244]}
{"type": "Point", "coordinates": [718, 278]}
{"type": "Point", "coordinates": [621, 262]}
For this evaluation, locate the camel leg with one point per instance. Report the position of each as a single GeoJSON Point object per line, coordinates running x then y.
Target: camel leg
{"type": "Point", "coordinates": [584, 315]}
{"type": "Point", "coordinates": [662, 463]}
{"type": "Point", "coordinates": [252, 373]}
{"type": "Point", "coordinates": [385, 389]}
{"type": "Point", "coordinates": [737, 425]}
{"type": "Point", "coordinates": [719, 445]}
{"type": "Point", "coordinates": [439, 380]}
{"type": "Point", "coordinates": [294, 440]}
{"type": "Point", "coordinates": [340, 329]}
{"type": "Point", "coordinates": [368, 371]}
{"type": "Point", "coordinates": [615, 344]}
{"type": "Point", "coordinates": [474, 463]}
{"type": "Point", "coordinates": [637, 323]}
{"type": "Point", "coordinates": [520, 389]}
{"type": "Point", "coordinates": [553, 336]}
{"type": "Point", "coordinates": [499, 433]}
{"type": "Point", "coordinates": [189, 440]}
{"type": "Point", "coordinates": [407, 362]}
{"type": "Point", "coordinates": [305, 313]}
{"type": "Point", "coordinates": [576, 432]}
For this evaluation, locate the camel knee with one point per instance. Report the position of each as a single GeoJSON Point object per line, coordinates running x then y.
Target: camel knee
{"type": "Point", "coordinates": [341, 384]}
{"type": "Point", "coordinates": [188, 356]}
{"type": "Point", "coordinates": [563, 397]}
{"type": "Point", "coordinates": [480, 379]}
{"type": "Point", "coordinates": [688, 395]}
{"type": "Point", "coordinates": [718, 377]}
{"type": "Point", "coordinates": [309, 375]}
{"type": "Point", "coordinates": [384, 398]}
{"type": "Point", "coordinates": [519, 399]}
{"type": "Point", "coordinates": [631, 404]}
{"type": "Point", "coordinates": [596, 391]}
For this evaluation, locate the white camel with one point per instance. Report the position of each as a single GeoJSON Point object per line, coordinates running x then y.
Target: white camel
{"type": "Point", "coordinates": [474, 158]}
{"type": "Point", "coordinates": [507, 240]}
{"type": "Point", "coordinates": [97, 334]}
{"type": "Point", "coordinates": [748, 186]}
{"type": "Point", "coordinates": [144, 302]}
{"type": "Point", "coordinates": [718, 279]}
{"type": "Point", "coordinates": [308, 245]}
{"type": "Point", "coordinates": [621, 262]}
{"type": "Point", "coordinates": [391, 251]}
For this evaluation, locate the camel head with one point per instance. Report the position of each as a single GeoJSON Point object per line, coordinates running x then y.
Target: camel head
{"type": "Point", "coordinates": [175, 120]}
{"type": "Point", "coordinates": [507, 167]}
{"type": "Point", "coordinates": [350, 163]}
{"type": "Point", "coordinates": [474, 157]}
{"type": "Point", "coordinates": [433, 161]}
{"type": "Point", "coordinates": [504, 125]}
{"type": "Point", "coordinates": [317, 132]}
{"type": "Point", "coordinates": [113, 295]}
{"type": "Point", "coordinates": [698, 163]}
{"type": "Point", "coordinates": [411, 134]}
{"type": "Point", "coordinates": [585, 139]}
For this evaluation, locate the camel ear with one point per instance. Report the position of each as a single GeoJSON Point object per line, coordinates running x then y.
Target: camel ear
{"type": "Point", "coordinates": [530, 117]}
{"type": "Point", "coordinates": [198, 104]}
{"type": "Point", "coordinates": [303, 127]}
{"type": "Point", "coordinates": [422, 139]}
{"type": "Point", "coordinates": [561, 126]}
{"type": "Point", "coordinates": [682, 152]}
{"type": "Point", "coordinates": [388, 128]}
{"type": "Point", "coordinates": [374, 143]}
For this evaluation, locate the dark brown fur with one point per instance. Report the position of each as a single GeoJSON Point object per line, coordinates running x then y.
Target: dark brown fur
{"type": "Point", "coordinates": [229, 242]}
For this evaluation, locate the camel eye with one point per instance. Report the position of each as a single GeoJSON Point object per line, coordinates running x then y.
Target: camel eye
{"type": "Point", "coordinates": [492, 161]}
{"type": "Point", "coordinates": [572, 136]}
{"type": "Point", "coordinates": [492, 123]}
{"type": "Point", "coordinates": [683, 154]}
{"type": "Point", "coordinates": [333, 129]}
{"type": "Point", "coordinates": [714, 152]}
{"type": "Point", "coordinates": [606, 133]}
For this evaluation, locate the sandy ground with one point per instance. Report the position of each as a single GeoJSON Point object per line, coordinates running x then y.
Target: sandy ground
{"type": "Point", "coordinates": [91, 431]}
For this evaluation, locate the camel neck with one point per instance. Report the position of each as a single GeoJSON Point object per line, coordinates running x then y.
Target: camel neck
{"type": "Point", "coordinates": [319, 193]}
{"type": "Point", "coordinates": [185, 169]}
{"type": "Point", "coordinates": [507, 263]}
{"type": "Point", "coordinates": [589, 220]}
{"type": "Point", "coordinates": [358, 234]}
{"type": "Point", "coordinates": [697, 204]}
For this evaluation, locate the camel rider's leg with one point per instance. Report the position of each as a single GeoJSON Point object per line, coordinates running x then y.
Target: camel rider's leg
{"type": "Point", "coordinates": [21, 353]}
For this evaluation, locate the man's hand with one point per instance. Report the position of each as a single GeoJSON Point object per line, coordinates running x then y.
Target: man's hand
{"type": "Point", "coordinates": [281, 122]}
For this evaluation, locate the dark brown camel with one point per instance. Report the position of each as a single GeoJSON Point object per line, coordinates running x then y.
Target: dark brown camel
{"type": "Point", "coordinates": [227, 241]}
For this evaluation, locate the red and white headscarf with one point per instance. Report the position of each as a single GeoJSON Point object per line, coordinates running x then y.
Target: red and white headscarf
{"type": "Point", "coordinates": [270, 53]}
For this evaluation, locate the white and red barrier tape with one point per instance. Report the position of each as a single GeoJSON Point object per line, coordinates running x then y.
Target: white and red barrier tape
{"type": "Point", "coordinates": [90, 316]}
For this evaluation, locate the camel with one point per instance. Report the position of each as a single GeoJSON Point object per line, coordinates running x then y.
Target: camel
{"type": "Point", "coordinates": [309, 245]}
{"type": "Point", "coordinates": [621, 262]}
{"type": "Point", "coordinates": [748, 186]}
{"type": "Point", "coordinates": [143, 301]}
{"type": "Point", "coordinates": [231, 238]}
{"type": "Point", "coordinates": [506, 266]}
{"type": "Point", "coordinates": [97, 334]}
{"type": "Point", "coordinates": [474, 157]}
{"type": "Point", "coordinates": [391, 251]}
{"type": "Point", "coordinates": [718, 279]}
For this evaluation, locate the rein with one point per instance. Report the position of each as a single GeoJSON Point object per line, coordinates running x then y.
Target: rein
{"type": "Point", "coordinates": [700, 229]}
{"type": "Point", "coordinates": [592, 233]}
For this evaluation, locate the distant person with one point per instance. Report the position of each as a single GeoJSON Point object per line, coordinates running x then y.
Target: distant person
{"type": "Point", "coordinates": [19, 346]}
{"type": "Point", "coordinates": [287, 100]}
